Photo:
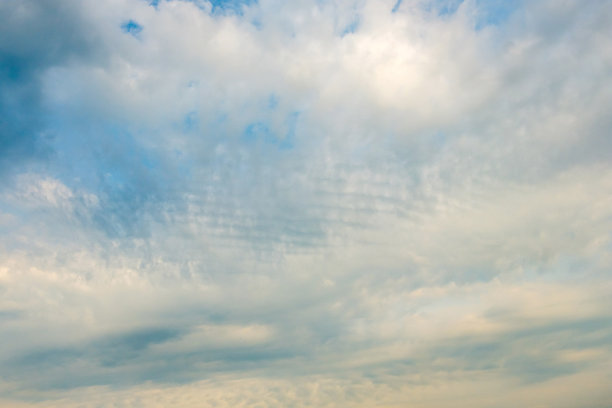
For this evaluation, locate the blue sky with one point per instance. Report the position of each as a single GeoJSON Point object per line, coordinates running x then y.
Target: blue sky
{"type": "Point", "coordinates": [347, 203]}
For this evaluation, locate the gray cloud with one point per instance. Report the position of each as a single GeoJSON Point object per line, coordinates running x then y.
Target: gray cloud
{"type": "Point", "coordinates": [36, 36]}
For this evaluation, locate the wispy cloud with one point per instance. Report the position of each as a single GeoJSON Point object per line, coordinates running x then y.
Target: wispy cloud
{"type": "Point", "coordinates": [343, 204]}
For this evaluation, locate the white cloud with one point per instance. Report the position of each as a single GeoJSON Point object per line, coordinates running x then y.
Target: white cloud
{"type": "Point", "coordinates": [419, 215]}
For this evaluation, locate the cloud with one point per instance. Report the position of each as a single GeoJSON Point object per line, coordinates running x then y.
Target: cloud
{"type": "Point", "coordinates": [56, 34]}
{"type": "Point", "coordinates": [350, 203]}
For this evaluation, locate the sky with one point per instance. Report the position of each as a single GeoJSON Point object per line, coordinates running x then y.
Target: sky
{"type": "Point", "coordinates": [308, 203]}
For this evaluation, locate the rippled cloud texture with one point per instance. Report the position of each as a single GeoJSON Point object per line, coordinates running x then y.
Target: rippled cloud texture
{"type": "Point", "coordinates": [350, 203]}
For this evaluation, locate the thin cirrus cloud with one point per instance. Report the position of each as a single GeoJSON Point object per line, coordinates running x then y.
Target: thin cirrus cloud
{"type": "Point", "coordinates": [330, 204]}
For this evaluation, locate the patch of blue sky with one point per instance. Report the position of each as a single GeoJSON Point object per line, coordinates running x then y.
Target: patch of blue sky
{"type": "Point", "coordinates": [442, 8]}
{"type": "Point", "coordinates": [488, 12]}
{"type": "Point", "coordinates": [72, 154]}
{"type": "Point", "coordinates": [495, 12]}
{"type": "Point", "coordinates": [273, 101]}
{"type": "Point", "coordinates": [351, 28]}
{"type": "Point", "coordinates": [184, 164]}
{"type": "Point", "coordinates": [447, 7]}
{"type": "Point", "coordinates": [260, 132]}
{"type": "Point", "coordinates": [396, 6]}
{"type": "Point", "coordinates": [191, 122]}
{"type": "Point", "coordinates": [131, 27]}
{"type": "Point", "coordinates": [221, 7]}
{"type": "Point", "coordinates": [112, 164]}
{"type": "Point", "coordinates": [288, 141]}
{"type": "Point", "coordinates": [128, 165]}
{"type": "Point", "coordinates": [257, 23]}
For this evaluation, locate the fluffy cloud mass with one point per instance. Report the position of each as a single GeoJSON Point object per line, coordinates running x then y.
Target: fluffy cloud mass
{"type": "Point", "coordinates": [347, 203]}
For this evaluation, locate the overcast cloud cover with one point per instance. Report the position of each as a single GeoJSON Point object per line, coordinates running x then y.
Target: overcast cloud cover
{"type": "Point", "coordinates": [308, 203]}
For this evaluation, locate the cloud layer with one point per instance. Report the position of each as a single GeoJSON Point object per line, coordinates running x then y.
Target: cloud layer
{"type": "Point", "coordinates": [350, 203]}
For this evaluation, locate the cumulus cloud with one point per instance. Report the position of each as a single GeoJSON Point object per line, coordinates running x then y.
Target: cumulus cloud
{"type": "Point", "coordinates": [348, 203]}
